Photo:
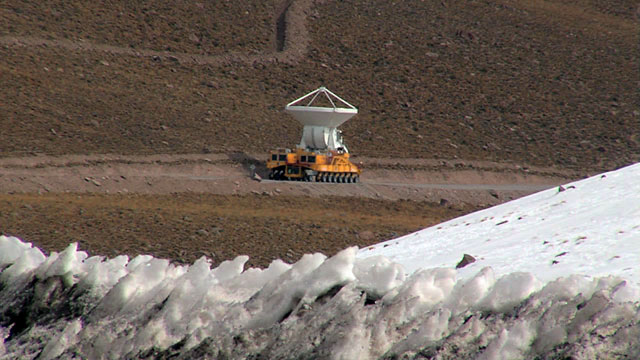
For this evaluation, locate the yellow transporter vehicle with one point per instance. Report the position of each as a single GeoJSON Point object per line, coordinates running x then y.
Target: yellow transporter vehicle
{"type": "Point", "coordinates": [321, 155]}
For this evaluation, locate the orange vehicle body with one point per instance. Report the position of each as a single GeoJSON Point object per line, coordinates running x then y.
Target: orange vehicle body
{"type": "Point", "coordinates": [313, 166]}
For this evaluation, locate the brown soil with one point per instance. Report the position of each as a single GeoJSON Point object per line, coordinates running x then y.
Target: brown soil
{"type": "Point", "coordinates": [185, 226]}
{"type": "Point", "coordinates": [526, 93]}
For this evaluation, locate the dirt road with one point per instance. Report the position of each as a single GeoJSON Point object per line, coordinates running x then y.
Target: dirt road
{"type": "Point", "coordinates": [473, 183]}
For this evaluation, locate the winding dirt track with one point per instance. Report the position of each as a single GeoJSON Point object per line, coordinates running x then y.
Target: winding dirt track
{"type": "Point", "coordinates": [291, 43]}
{"type": "Point", "coordinates": [416, 179]}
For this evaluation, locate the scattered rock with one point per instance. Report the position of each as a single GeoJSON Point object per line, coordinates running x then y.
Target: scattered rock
{"type": "Point", "coordinates": [96, 182]}
{"type": "Point", "coordinates": [562, 188]}
{"type": "Point", "coordinates": [444, 202]}
{"type": "Point", "coordinates": [202, 232]}
{"type": "Point", "coordinates": [366, 235]}
{"type": "Point", "coordinates": [194, 38]}
{"type": "Point", "coordinates": [257, 177]}
{"type": "Point", "coordinates": [466, 260]}
{"type": "Point", "coordinates": [494, 194]}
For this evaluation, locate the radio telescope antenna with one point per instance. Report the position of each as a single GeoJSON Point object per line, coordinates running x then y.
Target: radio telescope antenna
{"type": "Point", "coordinates": [320, 123]}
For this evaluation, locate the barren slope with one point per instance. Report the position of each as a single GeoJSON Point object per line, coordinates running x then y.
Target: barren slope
{"type": "Point", "coordinates": [550, 83]}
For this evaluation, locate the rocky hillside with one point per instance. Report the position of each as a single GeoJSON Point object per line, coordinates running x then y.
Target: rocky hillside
{"type": "Point", "coordinates": [552, 83]}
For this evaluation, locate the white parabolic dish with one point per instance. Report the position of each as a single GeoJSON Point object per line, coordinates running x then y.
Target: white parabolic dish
{"type": "Point", "coordinates": [330, 117]}
{"type": "Point", "coordinates": [321, 116]}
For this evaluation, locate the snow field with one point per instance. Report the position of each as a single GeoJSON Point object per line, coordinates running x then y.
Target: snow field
{"type": "Point", "coordinates": [590, 227]}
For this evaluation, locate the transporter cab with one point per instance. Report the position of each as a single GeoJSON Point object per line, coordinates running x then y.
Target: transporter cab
{"type": "Point", "coordinates": [321, 155]}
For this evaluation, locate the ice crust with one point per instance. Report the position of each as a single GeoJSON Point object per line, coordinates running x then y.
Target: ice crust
{"type": "Point", "coordinates": [344, 307]}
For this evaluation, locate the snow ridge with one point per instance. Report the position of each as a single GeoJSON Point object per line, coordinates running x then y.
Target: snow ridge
{"type": "Point", "coordinates": [69, 304]}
